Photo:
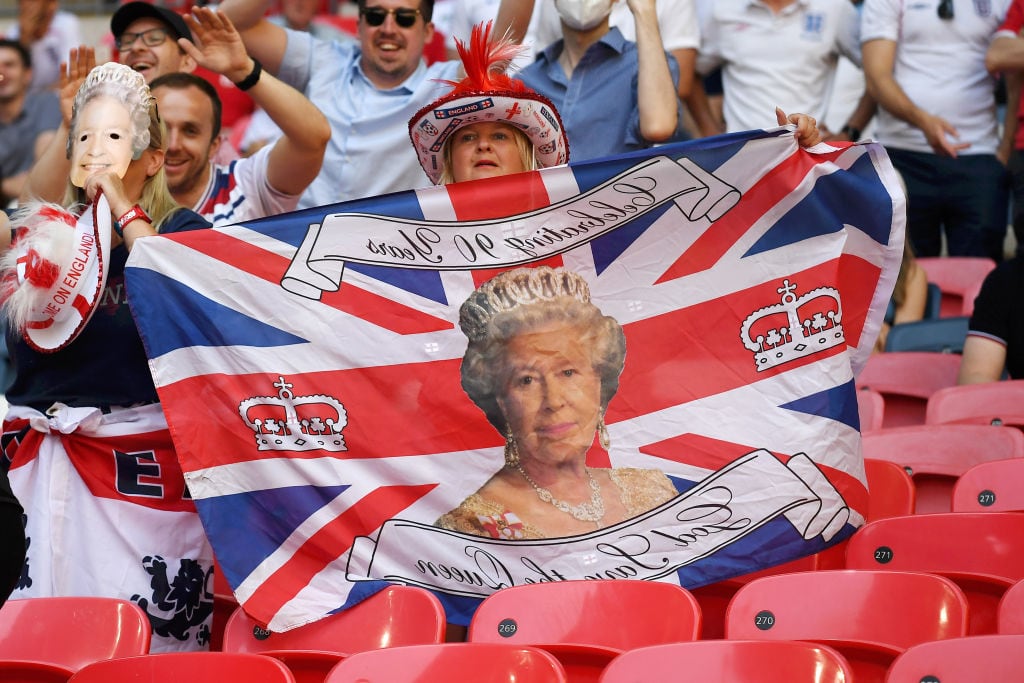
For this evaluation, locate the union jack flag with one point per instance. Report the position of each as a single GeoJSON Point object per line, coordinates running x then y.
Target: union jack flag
{"type": "Point", "coordinates": [308, 365]}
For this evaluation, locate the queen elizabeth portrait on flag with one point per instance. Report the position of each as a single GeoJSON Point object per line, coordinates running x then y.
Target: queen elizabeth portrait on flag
{"type": "Point", "coordinates": [543, 363]}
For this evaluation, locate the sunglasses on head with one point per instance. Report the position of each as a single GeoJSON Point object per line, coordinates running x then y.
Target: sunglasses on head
{"type": "Point", "coordinates": [946, 9]}
{"type": "Point", "coordinates": [404, 16]}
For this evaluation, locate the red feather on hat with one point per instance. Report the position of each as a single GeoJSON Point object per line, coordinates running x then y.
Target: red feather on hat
{"type": "Point", "coordinates": [486, 63]}
{"type": "Point", "coordinates": [487, 93]}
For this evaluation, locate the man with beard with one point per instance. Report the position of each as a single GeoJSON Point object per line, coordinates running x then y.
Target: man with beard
{"type": "Point", "coordinates": [267, 183]}
{"type": "Point", "coordinates": [27, 120]}
{"type": "Point", "coordinates": [368, 91]}
{"type": "Point", "coordinates": [146, 37]}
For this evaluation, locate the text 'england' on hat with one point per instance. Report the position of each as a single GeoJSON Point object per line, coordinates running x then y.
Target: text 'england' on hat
{"type": "Point", "coordinates": [55, 271]}
{"type": "Point", "coordinates": [487, 94]}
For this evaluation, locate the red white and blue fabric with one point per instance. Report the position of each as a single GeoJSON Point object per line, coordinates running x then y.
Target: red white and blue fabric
{"type": "Point", "coordinates": [62, 295]}
{"type": "Point", "coordinates": [343, 320]}
{"type": "Point", "coordinates": [107, 514]}
{"type": "Point", "coordinates": [240, 191]}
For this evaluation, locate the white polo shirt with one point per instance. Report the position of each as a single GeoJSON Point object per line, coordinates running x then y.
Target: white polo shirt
{"type": "Point", "coordinates": [768, 60]}
{"type": "Point", "coordinates": [940, 65]}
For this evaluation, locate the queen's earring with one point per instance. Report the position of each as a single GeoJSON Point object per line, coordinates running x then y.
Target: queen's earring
{"type": "Point", "coordinates": [603, 437]}
{"type": "Point", "coordinates": [511, 452]}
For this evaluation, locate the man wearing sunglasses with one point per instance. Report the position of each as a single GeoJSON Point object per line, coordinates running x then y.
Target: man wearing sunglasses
{"type": "Point", "coordinates": [924, 63]}
{"type": "Point", "coordinates": [368, 91]}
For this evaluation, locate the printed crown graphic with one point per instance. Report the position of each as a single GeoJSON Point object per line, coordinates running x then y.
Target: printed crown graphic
{"type": "Point", "coordinates": [795, 328]}
{"type": "Point", "coordinates": [295, 423]}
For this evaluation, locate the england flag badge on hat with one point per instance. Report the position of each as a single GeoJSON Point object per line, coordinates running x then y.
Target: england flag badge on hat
{"type": "Point", "coordinates": [487, 94]}
{"type": "Point", "coordinates": [55, 272]}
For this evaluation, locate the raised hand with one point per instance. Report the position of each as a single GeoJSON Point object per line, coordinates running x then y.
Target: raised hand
{"type": "Point", "coordinates": [807, 133]}
{"type": "Point", "coordinates": [113, 188]}
{"type": "Point", "coordinates": [34, 18]}
{"type": "Point", "coordinates": [218, 46]}
{"type": "Point", "coordinates": [81, 61]}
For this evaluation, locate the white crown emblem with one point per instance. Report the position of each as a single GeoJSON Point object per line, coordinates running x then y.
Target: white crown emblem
{"type": "Point", "coordinates": [295, 423]}
{"type": "Point", "coordinates": [796, 328]}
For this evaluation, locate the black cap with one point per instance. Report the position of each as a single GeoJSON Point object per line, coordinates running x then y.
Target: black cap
{"type": "Point", "coordinates": [129, 12]}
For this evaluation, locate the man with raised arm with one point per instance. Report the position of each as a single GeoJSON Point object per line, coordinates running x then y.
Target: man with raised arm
{"type": "Point", "coordinates": [146, 37]}
{"type": "Point", "coordinates": [267, 183]}
{"type": "Point", "coordinates": [368, 91]}
{"type": "Point", "coordinates": [614, 95]}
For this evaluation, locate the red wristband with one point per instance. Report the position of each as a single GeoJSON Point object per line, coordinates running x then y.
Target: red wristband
{"type": "Point", "coordinates": [133, 214]}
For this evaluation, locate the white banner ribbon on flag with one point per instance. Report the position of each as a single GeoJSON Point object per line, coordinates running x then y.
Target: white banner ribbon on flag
{"type": "Point", "coordinates": [720, 510]}
{"type": "Point", "coordinates": [343, 238]}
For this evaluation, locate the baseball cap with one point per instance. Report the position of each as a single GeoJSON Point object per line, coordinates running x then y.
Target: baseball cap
{"type": "Point", "coordinates": [129, 12]}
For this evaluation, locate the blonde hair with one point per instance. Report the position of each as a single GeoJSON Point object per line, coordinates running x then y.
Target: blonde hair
{"type": "Point", "coordinates": [527, 154]}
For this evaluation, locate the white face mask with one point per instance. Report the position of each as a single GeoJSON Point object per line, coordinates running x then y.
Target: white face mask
{"type": "Point", "coordinates": [583, 15]}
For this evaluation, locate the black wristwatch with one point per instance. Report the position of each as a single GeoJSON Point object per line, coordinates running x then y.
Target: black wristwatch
{"type": "Point", "coordinates": [253, 77]}
{"type": "Point", "coordinates": [851, 132]}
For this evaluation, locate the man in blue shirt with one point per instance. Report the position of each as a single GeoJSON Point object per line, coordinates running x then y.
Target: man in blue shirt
{"type": "Point", "coordinates": [614, 95]}
{"type": "Point", "coordinates": [368, 91]}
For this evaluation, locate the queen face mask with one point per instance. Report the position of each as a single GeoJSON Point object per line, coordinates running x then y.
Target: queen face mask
{"type": "Point", "coordinates": [583, 15]}
{"type": "Point", "coordinates": [102, 140]}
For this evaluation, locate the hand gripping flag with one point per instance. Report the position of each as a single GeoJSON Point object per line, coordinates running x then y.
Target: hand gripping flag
{"type": "Point", "coordinates": [309, 367]}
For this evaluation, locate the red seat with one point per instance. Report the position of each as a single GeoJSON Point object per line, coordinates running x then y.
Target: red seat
{"type": "Point", "coordinates": [586, 624]}
{"type": "Point", "coordinates": [891, 490]}
{"type": "Point", "coordinates": [906, 379]}
{"type": "Point", "coordinates": [989, 403]}
{"type": "Point", "coordinates": [982, 552]}
{"type": "Point", "coordinates": [959, 278]}
{"type": "Point", "coordinates": [937, 455]}
{"type": "Point", "coordinates": [868, 616]}
{"type": "Point", "coordinates": [714, 598]}
{"type": "Point", "coordinates": [224, 605]}
{"type": "Point", "coordinates": [996, 486]}
{"type": "Point", "coordinates": [977, 659]}
{"type": "Point", "coordinates": [193, 667]}
{"type": "Point", "coordinates": [728, 661]}
{"type": "Point", "coordinates": [18, 671]}
{"type": "Point", "coordinates": [1010, 616]}
{"type": "Point", "coordinates": [394, 616]}
{"type": "Point", "coordinates": [891, 493]}
{"type": "Point", "coordinates": [491, 662]}
{"type": "Point", "coordinates": [871, 407]}
{"type": "Point", "coordinates": [71, 632]}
